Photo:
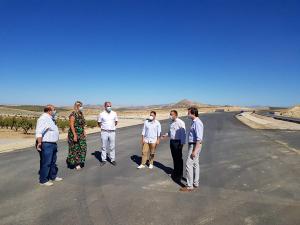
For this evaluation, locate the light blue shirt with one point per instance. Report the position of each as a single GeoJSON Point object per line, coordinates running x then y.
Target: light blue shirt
{"type": "Point", "coordinates": [151, 131]}
{"type": "Point", "coordinates": [196, 131]}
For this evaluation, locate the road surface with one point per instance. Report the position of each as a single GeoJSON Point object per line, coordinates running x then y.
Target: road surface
{"type": "Point", "coordinates": [247, 177]}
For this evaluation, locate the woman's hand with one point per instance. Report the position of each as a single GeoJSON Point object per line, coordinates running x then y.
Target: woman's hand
{"type": "Point", "coordinates": [75, 138]}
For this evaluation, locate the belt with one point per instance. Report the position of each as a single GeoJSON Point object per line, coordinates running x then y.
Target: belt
{"type": "Point", "coordinates": [175, 140]}
{"type": "Point", "coordinates": [192, 143]}
{"type": "Point", "coordinates": [108, 130]}
{"type": "Point", "coordinates": [47, 142]}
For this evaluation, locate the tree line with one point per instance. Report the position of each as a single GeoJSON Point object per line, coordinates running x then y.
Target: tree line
{"type": "Point", "coordinates": [26, 123]}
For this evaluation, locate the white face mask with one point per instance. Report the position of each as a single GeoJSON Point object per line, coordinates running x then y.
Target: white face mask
{"type": "Point", "coordinates": [171, 118]}
{"type": "Point", "coordinates": [151, 118]}
{"type": "Point", "coordinates": [80, 108]}
{"type": "Point", "coordinates": [108, 109]}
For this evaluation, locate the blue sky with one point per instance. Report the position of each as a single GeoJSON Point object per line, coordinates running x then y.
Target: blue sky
{"type": "Point", "coordinates": [150, 52]}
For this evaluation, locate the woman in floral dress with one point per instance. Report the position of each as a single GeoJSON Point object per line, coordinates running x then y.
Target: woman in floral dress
{"type": "Point", "coordinates": [77, 138]}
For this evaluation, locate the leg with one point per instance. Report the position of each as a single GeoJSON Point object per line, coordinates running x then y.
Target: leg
{"type": "Point", "coordinates": [46, 158]}
{"type": "Point", "coordinates": [53, 168]}
{"type": "Point", "coordinates": [189, 168]}
{"type": "Point", "coordinates": [104, 140]}
{"type": "Point", "coordinates": [197, 170]}
{"type": "Point", "coordinates": [152, 153]}
{"type": "Point", "coordinates": [173, 152]}
{"type": "Point", "coordinates": [145, 153]}
{"type": "Point", "coordinates": [83, 149]}
{"type": "Point", "coordinates": [180, 161]}
{"type": "Point", "coordinates": [112, 140]}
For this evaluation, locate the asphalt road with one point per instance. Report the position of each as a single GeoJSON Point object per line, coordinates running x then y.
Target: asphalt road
{"type": "Point", "coordinates": [247, 177]}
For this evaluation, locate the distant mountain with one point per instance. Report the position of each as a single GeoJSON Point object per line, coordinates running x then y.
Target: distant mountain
{"type": "Point", "coordinates": [185, 103]}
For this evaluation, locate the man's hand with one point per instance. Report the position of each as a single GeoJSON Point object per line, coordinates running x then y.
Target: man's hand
{"type": "Point", "coordinates": [39, 146]}
{"type": "Point", "coordinates": [193, 155]}
{"type": "Point", "coordinates": [143, 141]}
{"type": "Point", "coordinates": [157, 142]}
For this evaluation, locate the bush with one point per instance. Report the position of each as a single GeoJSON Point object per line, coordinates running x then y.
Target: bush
{"type": "Point", "coordinates": [91, 123]}
{"type": "Point", "coordinates": [62, 124]}
{"type": "Point", "coordinates": [26, 125]}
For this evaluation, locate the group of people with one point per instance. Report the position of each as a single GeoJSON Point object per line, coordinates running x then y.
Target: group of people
{"type": "Point", "coordinates": [47, 135]}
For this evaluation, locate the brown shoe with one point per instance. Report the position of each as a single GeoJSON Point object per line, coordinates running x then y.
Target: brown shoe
{"type": "Point", "coordinates": [186, 189]}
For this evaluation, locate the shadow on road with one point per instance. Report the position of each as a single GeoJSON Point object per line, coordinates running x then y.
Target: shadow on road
{"type": "Point", "coordinates": [168, 170]}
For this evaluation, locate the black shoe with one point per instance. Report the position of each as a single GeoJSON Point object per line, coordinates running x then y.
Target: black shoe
{"type": "Point", "coordinates": [114, 163]}
{"type": "Point", "coordinates": [102, 163]}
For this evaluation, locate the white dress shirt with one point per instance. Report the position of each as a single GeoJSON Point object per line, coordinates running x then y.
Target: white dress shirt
{"type": "Point", "coordinates": [177, 131]}
{"type": "Point", "coordinates": [151, 131]}
{"type": "Point", "coordinates": [108, 120]}
{"type": "Point", "coordinates": [46, 129]}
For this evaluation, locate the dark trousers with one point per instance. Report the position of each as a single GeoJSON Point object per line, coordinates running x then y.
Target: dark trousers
{"type": "Point", "coordinates": [176, 150]}
{"type": "Point", "coordinates": [48, 167]}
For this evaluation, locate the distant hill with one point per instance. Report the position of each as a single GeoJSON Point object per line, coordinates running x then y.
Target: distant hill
{"type": "Point", "coordinates": [33, 108]}
{"type": "Point", "coordinates": [185, 103]}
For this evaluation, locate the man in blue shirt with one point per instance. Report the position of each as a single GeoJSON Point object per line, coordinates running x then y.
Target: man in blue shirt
{"type": "Point", "coordinates": [195, 137]}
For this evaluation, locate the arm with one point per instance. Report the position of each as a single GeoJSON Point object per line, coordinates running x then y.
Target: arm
{"type": "Point", "coordinates": [72, 122]}
{"type": "Point", "coordinates": [183, 134]}
{"type": "Point", "coordinates": [116, 120]}
{"type": "Point", "coordinates": [99, 120]}
{"type": "Point", "coordinates": [199, 133]}
{"type": "Point", "coordinates": [143, 134]}
{"type": "Point", "coordinates": [39, 132]}
{"type": "Point", "coordinates": [158, 134]}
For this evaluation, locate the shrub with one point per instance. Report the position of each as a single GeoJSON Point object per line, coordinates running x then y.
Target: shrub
{"type": "Point", "coordinates": [91, 123]}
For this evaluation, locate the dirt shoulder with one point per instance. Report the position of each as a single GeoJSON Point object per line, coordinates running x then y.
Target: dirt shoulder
{"type": "Point", "coordinates": [256, 121]}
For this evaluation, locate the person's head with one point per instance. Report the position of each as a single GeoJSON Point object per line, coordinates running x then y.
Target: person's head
{"type": "Point", "coordinates": [50, 109]}
{"type": "Point", "coordinates": [78, 106]}
{"type": "Point", "coordinates": [107, 106]}
{"type": "Point", "coordinates": [152, 115]}
{"type": "Point", "coordinates": [173, 115]}
{"type": "Point", "coordinates": [193, 112]}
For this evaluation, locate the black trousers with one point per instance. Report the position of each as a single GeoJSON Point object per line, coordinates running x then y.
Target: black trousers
{"type": "Point", "coordinates": [176, 150]}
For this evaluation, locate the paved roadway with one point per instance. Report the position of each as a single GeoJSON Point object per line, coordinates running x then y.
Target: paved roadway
{"type": "Point", "coordinates": [247, 177]}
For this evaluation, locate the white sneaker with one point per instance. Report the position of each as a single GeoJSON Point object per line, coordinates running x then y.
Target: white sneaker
{"type": "Point", "coordinates": [151, 166]}
{"type": "Point", "coordinates": [48, 183]}
{"type": "Point", "coordinates": [58, 179]}
{"type": "Point", "coordinates": [141, 166]}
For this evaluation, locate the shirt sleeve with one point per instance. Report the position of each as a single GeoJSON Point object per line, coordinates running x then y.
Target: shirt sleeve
{"type": "Point", "coordinates": [183, 133]}
{"type": "Point", "coordinates": [99, 118]}
{"type": "Point", "coordinates": [199, 131]}
{"type": "Point", "coordinates": [158, 130]}
{"type": "Point", "coordinates": [144, 129]}
{"type": "Point", "coordinates": [116, 117]}
{"type": "Point", "coordinates": [41, 128]}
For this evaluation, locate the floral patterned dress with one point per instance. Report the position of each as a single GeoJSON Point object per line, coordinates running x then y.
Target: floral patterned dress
{"type": "Point", "coordinates": [77, 150]}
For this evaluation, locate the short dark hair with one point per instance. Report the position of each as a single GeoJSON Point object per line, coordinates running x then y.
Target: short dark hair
{"type": "Point", "coordinates": [105, 103]}
{"type": "Point", "coordinates": [194, 111]}
{"type": "Point", "coordinates": [153, 112]}
{"type": "Point", "coordinates": [48, 108]}
{"type": "Point", "coordinates": [174, 111]}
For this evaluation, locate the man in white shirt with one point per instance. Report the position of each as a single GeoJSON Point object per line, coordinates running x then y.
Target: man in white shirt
{"type": "Point", "coordinates": [177, 135]}
{"type": "Point", "coordinates": [108, 121]}
{"type": "Point", "coordinates": [150, 140]}
{"type": "Point", "coordinates": [47, 135]}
